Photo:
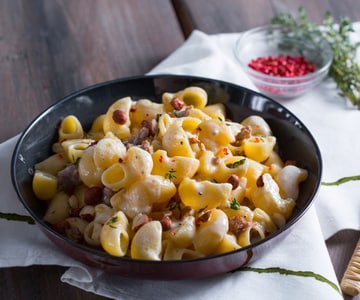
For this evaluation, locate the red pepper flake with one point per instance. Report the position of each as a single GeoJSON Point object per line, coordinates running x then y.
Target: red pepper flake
{"type": "Point", "coordinates": [133, 108]}
{"type": "Point", "coordinates": [161, 158]}
{"type": "Point", "coordinates": [282, 65]}
{"type": "Point", "coordinates": [256, 139]}
{"type": "Point", "coordinates": [225, 151]}
{"type": "Point", "coordinates": [125, 160]}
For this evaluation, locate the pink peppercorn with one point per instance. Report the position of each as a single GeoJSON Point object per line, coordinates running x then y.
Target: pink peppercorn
{"type": "Point", "coordinates": [282, 65]}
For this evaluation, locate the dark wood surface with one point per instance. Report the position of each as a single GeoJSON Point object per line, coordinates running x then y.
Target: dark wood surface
{"type": "Point", "coordinates": [213, 16]}
{"type": "Point", "coordinates": [50, 48]}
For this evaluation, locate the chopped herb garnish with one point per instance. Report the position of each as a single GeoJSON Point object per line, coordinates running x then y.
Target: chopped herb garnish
{"type": "Point", "coordinates": [235, 205]}
{"type": "Point", "coordinates": [170, 175]}
{"type": "Point", "coordinates": [236, 164]}
{"type": "Point", "coordinates": [76, 161]}
{"type": "Point", "coordinates": [111, 222]}
{"type": "Point", "coordinates": [157, 118]}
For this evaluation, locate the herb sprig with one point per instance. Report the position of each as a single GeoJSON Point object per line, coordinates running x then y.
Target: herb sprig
{"type": "Point", "coordinates": [170, 175]}
{"type": "Point", "coordinates": [235, 205]}
{"type": "Point", "coordinates": [344, 69]}
{"type": "Point", "coordinates": [342, 180]}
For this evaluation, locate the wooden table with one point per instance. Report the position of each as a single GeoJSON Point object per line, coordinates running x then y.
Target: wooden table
{"type": "Point", "coordinates": [50, 48]}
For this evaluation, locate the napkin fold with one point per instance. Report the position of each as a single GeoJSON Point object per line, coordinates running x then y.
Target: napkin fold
{"type": "Point", "coordinates": [298, 267]}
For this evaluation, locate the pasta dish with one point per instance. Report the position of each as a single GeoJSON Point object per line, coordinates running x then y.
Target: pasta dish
{"type": "Point", "coordinates": [167, 181]}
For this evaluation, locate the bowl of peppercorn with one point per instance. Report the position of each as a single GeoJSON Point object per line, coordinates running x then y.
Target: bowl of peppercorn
{"type": "Point", "coordinates": [282, 62]}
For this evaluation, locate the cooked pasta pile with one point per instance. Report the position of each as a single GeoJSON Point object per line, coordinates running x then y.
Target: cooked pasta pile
{"type": "Point", "coordinates": [167, 181]}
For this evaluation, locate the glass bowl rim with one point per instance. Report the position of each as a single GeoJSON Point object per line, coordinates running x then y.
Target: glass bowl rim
{"type": "Point", "coordinates": [261, 77]}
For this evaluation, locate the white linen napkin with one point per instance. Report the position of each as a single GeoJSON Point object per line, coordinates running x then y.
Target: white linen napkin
{"type": "Point", "coordinates": [298, 267]}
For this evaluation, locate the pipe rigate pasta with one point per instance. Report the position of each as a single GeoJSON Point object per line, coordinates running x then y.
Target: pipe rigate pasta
{"type": "Point", "coordinates": [167, 181]}
{"type": "Point", "coordinates": [194, 96]}
{"type": "Point", "coordinates": [120, 125]}
{"type": "Point", "coordinates": [108, 151]}
{"type": "Point", "coordinates": [145, 110]}
{"type": "Point", "coordinates": [70, 128]}
{"type": "Point", "coordinates": [140, 195]}
{"type": "Point", "coordinates": [250, 234]}
{"type": "Point", "coordinates": [53, 164]}
{"type": "Point", "coordinates": [58, 209]}
{"type": "Point", "coordinates": [200, 194]}
{"type": "Point", "coordinates": [75, 148]}
{"type": "Point", "coordinates": [288, 179]}
{"type": "Point", "coordinates": [175, 142]}
{"type": "Point", "coordinates": [186, 167]}
{"type": "Point", "coordinates": [258, 125]}
{"type": "Point", "coordinates": [114, 235]}
{"type": "Point", "coordinates": [89, 173]}
{"type": "Point", "coordinates": [92, 234]}
{"type": "Point", "coordinates": [172, 252]}
{"type": "Point", "coordinates": [146, 243]}
{"type": "Point", "coordinates": [227, 244]}
{"type": "Point", "coordinates": [44, 185]}
{"type": "Point", "coordinates": [103, 213]}
{"type": "Point", "coordinates": [267, 197]}
{"type": "Point", "coordinates": [259, 148]}
{"type": "Point", "coordinates": [214, 134]}
{"type": "Point", "coordinates": [182, 234]}
{"type": "Point", "coordinates": [211, 232]}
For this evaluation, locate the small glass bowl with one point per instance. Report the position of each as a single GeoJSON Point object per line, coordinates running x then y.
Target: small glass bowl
{"type": "Point", "coordinates": [273, 40]}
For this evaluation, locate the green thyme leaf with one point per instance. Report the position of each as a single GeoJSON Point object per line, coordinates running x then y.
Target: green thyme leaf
{"type": "Point", "coordinates": [236, 164]}
{"type": "Point", "coordinates": [111, 222]}
{"type": "Point", "coordinates": [76, 161]}
{"type": "Point", "coordinates": [235, 204]}
{"type": "Point", "coordinates": [170, 175]}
